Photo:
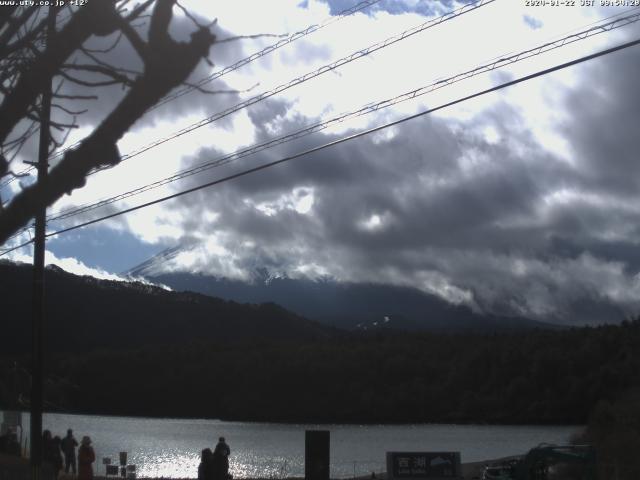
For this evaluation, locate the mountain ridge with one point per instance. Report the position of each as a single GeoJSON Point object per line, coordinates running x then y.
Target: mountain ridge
{"type": "Point", "coordinates": [345, 305]}
{"type": "Point", "coordinates": [86, 313]}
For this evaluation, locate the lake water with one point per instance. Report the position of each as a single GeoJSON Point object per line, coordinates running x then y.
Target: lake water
{"type": "Point", "coordinates": [171, 447]}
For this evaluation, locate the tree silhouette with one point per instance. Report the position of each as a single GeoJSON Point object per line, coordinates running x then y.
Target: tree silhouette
{"type": "Point", "coordinates": [28, 63]}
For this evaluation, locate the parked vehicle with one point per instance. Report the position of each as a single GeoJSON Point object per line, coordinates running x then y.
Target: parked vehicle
{"type": "Point", "coordinates": [497, 472]}
{"type": "Point", "coordinates": [551, 462]}
{"type": "Point", "coordinates": [547, 462]}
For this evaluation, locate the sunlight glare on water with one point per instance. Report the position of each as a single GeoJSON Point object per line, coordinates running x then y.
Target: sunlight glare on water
{"type": "Point", "coordinates": [170, 463]}
{"type": "Point", "coordinates": [171, 448]}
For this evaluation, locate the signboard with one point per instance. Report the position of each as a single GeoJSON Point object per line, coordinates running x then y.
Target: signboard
{"type": "Point", "coordinates": [423, 465]}
{"type": "Point", "coordinates": [112, 470]}
{"type": "Point", "coordinates": [316, 454]}
{"type": "Point", "coordinates": [106, 461]}
{"type": "Point", "coordinates": [11, 421]}
{"type": "Point", "coordinates": [123, 458]}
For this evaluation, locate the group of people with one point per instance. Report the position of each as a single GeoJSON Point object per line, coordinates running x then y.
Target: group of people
{"type": "Point", "coordinates": [215, 465]}
{"type": "Point", "coordinates": [55, 449]}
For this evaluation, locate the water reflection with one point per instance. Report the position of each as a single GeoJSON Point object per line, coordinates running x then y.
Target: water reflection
{"type": "Point", "coordinates": [174, 463]}
{"type": "Point", "coordinates": [171, 463]}
{"type": "Point", "coordinates": [250, 465]}
{"type": "Point", "coordinates": [171, 447]}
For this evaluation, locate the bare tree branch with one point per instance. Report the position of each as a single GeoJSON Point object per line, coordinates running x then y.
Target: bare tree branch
{"type": "Point", "coordinates": [107, 65]}
{"type": "Point", "coordinates": [251, 37]}
{"type": "Point", "coordinates": [93, 18]}
{"type": "Point", "coordinates": [14, 26]}
{"type": "Point", "coordinates": [17, 175]}
{"type": "Point", "coordinates": [61, 127]}
{"type": "Point", "coordinates": [67, 111]}
{"type": "Point", "coordinates": [88, 83]}
{"type": "Point", "coordinates": [106, 71]}
{"type": "Point", "coordinates": [59, 143]}
{"type": "Point", "coordinates": [190, 17]}
{"type": "Point", "coordinates": [75, 97]}
{"type": "Point", "coordinates": [136, 41]}
{"type": "Point", "coordinates": [167, 64]}
{"type": "Point", "coordinates": [108, 49]}
{"type": "Point", "coordinates": [138, 10]}
{"type": "Point", "coordinates": [216, 92]}
{"type": "Point", "coordinates": [19, 44]}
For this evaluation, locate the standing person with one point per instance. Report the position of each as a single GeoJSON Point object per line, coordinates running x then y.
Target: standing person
{"type": "Point", "coordinates": [47, 447]}
{"type": "Point", "coordinates": [206, 468]}
{"type": "Point", "coordinates": [69, 444]}
{"type": "Point", "coordinates": [86, 456]}
{"type": "Point", "coordinates": [56, 456]}
{"type": "Point", "coordinates": [222, 453]}
{"type": "Point", "coordinates": [48, 453]}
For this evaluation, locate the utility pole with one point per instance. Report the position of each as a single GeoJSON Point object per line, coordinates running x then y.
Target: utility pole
{"type": "Point", "coordinates": [37, 323]}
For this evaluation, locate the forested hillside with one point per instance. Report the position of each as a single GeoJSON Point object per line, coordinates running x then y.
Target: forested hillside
{"type": "Point", "coordinates": [84, 313]}
{"type": "Point", "coordinates": [534, 377]}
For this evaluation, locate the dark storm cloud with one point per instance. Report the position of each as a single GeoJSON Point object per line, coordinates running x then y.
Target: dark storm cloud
{"type": "Point", "coordinates": [506, 226]}
{"type": "Point", "coordinates": [604, 124]}
{"type": "Point", "coordinates": [123, 56]}
{"type": "Point", "coordinates": [120, 53]}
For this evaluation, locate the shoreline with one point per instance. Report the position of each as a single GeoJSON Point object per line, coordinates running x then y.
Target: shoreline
{"type": "Point", "coordinates": [309, 421]}
{"type": "Point", "coordinates": [470, 471]}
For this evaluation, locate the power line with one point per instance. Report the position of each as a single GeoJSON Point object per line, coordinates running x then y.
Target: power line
{"type": "Point", "coordinates": [267, 50]}
{"type": "Point", "coordinates": [310, 75]}
{"type": "Point", "coordinates": [297, 81]}
{"type": "Point", "coordinates": [240, 63]}
{"type": "Point", "coordinates": [53, 155]}
{"type": "Point", "coordinates": [341, 140]}
{"type": "Point", "coordinates": [369, 108]}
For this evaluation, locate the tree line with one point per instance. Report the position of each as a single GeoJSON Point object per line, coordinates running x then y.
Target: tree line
{"type": "Point", "coordinates": [540, 377]}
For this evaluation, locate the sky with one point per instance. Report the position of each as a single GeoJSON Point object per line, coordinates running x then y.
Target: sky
{"type": "Point", "coordinates": [523, 201]}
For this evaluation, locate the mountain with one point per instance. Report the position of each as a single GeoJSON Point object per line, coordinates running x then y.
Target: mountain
{"type": "Point", "coordinates": [351, 306]}
{"type": "Point", "coordinates": [84, 313]}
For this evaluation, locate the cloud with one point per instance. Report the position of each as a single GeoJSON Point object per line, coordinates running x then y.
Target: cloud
{"type": "Point", "coordinates": [69, 264]}
{"type": "Point", "coordinates": [478, 210]}
{"type": "Point", "coordinates": [521, 203]}
{"type": "Point", "coordinates": [76, 267]}
{"type": "Point", "coordinates": [533, 22]}
{"type": "Point", "coordinates": [602, 127]}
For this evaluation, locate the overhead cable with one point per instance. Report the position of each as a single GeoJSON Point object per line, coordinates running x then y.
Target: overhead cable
{"type": "Point", "coordinates": [267, 50]}
{"type": "Point", "coordinates": [340, 141]}
{"type": "Point", "coordinates": [369, 108]}
{"type": "Point", "coordinates": [239, 64]}
{"type": "Point", "coordinates": [310, 75]}
{"type": "Point", "coordinates": [306, 77]}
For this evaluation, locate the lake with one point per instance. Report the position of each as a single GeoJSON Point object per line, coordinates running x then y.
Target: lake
{"type": "Point", "coordinates": [171, 447]}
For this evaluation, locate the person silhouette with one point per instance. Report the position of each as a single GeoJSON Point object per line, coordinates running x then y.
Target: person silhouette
{"type": "Point", "coordinates": [69, 444]}
{"type": "Point", "coordinates": [56, 456]}
{"type": "Point", "coordinates": [86, 457]}
{"type": "Point", "coordinates": [47, 447]}
{"type": "Point", "coordinates": [221, 455]}
{"type": "Point", "coordinates": [206, 469]}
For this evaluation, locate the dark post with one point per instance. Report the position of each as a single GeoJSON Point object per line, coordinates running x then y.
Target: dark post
{"type": "Point", "coordinates": [37, 357]}
{"type": "Point", "coordinates": [316, 455]}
